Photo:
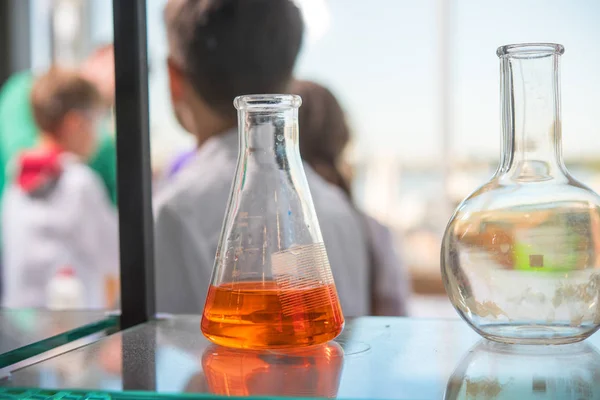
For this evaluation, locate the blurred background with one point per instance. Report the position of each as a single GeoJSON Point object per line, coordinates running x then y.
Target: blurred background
{"type": "Point", "coordinates": [419, 81]}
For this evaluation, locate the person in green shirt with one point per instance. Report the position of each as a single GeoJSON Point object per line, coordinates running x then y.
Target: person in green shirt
{"type": "Point", "coordinates": [18, 131]}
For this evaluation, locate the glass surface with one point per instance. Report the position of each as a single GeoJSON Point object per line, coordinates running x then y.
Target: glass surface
{"type": "Point", "coordinates": [272, 285]}
{"type": "Point", "coordinates": [26, 333]}
{"type": "Point", "coordinates": [500, 371]}
{"type": "Point", "coordinates": [520, 255]}
{"type": "Point", "coordinates": [313, 371]}
{"type": "Point", "coordinates": [383, 358]}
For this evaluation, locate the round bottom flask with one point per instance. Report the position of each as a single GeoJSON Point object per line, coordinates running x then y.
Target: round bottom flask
{"type": "Point", "coordinates": [520, 254]}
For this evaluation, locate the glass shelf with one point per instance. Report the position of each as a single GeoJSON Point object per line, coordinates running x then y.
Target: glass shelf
{"type": "Point", "coordinates": [26, 333]}
{"type": "Point", "coordinates": [374, 358]}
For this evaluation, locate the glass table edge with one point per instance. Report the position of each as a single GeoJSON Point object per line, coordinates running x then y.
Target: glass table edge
{"type": "Point", "coordinates": [78, 394]}
{"type": "Point", "coordinates": [109, 323]}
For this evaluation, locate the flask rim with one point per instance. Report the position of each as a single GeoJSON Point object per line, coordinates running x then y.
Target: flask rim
{"type": "Point", "coordinates": [530, 50]}
{"type": "Point", "coordinates": [262, 102]}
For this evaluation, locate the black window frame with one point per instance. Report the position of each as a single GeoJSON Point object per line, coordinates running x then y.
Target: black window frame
{"type": "Point", "coordinates": [134, 175]}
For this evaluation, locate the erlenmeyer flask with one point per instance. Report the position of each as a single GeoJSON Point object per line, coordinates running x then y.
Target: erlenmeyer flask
{"type": "Point", "coordinates": [272, 285]}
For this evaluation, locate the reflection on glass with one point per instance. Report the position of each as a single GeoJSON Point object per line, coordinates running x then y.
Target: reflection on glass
{"type": "Point", "coordinates": [309, 372]}
{"type": "Point", "coordinates": [29, 332]}
{"type": "Point", "coordinates": [501, 371]}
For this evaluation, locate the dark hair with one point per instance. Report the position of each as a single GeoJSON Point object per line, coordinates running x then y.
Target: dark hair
{"type": "Point", "coordinates": [324, 132]}
{"type": "Point", "coordinates": [227, 48]}
{"type": "Point", "coordinates": [58, 92]}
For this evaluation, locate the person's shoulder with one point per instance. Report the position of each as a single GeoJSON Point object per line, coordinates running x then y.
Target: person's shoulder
{"type": "Point", "coordinates": [377, 228]}
{"type": "Point", "coordinates": [173, 195]}
{"type": "Point", "coordinates": [198, 183]}
{"type": "Point", "coordinates": [76, 172]}
{"type": "Point", "coordinates": [79, 178]}
{"type": "Point", "coordinates": [12, 195]}
{"type": "Point", "coordinates": [328, 197]}
{"type": "Point", "coordinates": [383, 239]}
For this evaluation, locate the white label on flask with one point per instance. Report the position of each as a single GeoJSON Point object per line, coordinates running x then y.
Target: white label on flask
{"type": "Point", "coordinates": [298, 269]}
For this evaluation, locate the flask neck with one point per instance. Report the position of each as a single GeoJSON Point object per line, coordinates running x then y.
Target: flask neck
{"type": "Point", "coordinates": [269, 137]}
{"type": "Point", "coordinates": [530, 106]}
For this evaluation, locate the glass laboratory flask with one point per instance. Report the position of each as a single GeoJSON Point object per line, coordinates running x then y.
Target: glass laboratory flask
{"type": "Point", "coordinates": [306, 372]}
{"type": "Point", "coordinates": [520, 256]}
{"type": "Point", "coordinates": [506, 372]}
{"type": "Point", "coordinates": [272, 285]}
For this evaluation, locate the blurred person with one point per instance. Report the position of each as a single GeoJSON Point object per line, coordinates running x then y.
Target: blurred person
{"type": "Point", "coordinates": [179, 162]}
{"type": "Point", "coordinates": [57, 213]}
{"type": "Point", "coordinates": [219, 49]}
{"type": "Point", "coordinates": [324, 135]}
{"type": "Point", "coordinates": [19, 132]}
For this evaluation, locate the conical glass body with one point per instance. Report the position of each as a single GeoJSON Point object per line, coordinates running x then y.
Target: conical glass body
{"type": "Point", "coordinates": [520, 255]}
{"type": "Point", "coordinates": [272, 285]}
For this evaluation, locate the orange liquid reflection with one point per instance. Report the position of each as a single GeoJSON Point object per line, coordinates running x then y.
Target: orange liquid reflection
{"type": "Point", "coordinates": [259, 315]}
{"type": "Point", "coordinates": [308, 372]}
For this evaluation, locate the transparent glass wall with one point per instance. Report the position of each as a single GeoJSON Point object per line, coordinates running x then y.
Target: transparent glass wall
{"type": "Point", "coordinates": [59, 226]}
{"type": "Point", "coordinates": [60, 223]}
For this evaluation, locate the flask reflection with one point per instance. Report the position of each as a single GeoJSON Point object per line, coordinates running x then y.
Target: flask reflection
{"type": "Point", "coordinates": [501, 371]}
{"type": "Point", "coordinates": [307, 372]}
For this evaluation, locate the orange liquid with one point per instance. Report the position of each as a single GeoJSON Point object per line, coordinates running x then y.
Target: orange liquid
{"type": "Point", "coordinates": [308, 372]}
{"type": "Point", "coordinates": [258, 315]}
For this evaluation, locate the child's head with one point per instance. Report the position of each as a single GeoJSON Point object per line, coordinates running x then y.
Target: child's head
{"type": "Point", "coordinates": [220, 49]}
{"type": "Point", "coordinates": [66, 108]}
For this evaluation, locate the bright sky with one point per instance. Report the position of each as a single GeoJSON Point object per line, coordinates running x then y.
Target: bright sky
{"type": "Point", "coordinates": [382, 60]}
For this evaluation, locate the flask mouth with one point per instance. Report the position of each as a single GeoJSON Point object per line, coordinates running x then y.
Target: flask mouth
{"type": "Point", "coordinates": [263, 102]}
{"type": "Point", "coordinates": [530, 50]}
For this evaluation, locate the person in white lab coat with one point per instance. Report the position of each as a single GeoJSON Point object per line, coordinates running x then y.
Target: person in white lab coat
{"type": "Point", "coordinates": [57, 214]}
{"type": "Point", "coordinates": [219, 49]}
